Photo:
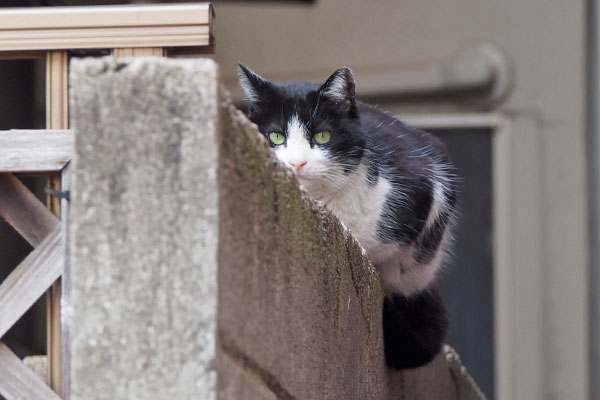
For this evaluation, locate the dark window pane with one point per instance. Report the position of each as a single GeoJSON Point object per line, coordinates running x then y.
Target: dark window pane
{"type": "Point", "coordinates": [22, 107]}
{"type": "Point", "coordinates": [467, 283]}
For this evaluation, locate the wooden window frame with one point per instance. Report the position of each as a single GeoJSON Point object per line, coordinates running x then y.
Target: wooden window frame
{"type": "Point", "coordinates": [178, 26]}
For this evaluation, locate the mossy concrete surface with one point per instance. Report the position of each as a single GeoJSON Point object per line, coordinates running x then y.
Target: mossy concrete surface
{"type": "Point", "coordinates": [297, 295]}
{"type": "Point", "coordinates": [200, 269]}
{"type": "Point", "coordinates": [300, 305]}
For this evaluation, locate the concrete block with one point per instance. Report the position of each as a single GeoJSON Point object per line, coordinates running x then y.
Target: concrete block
{"type": "Point", "coordinates": [145, 229]}
{"type": "Point", "coordinates": [38, 364]}
{"type": "Point", "coordinates": [238, 381]}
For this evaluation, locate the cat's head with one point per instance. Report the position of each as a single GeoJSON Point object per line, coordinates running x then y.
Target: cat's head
{"type": "Point", "coordinates": [314, 129]}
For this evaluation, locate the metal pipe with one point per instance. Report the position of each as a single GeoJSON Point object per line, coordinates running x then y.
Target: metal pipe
{"type": "Point", "coordinates": [482, 72]}
{"type": "Point", "coordinates": [482, 69]}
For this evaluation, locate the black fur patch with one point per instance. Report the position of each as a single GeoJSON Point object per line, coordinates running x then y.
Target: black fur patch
{"type": "Point", "coordinates": [414, 328]}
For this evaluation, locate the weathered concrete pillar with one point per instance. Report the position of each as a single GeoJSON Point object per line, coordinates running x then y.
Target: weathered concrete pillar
{"type": "Point", "coordinates": [173, 189]}
{"type": "Point", "coordinates": [144, 229]}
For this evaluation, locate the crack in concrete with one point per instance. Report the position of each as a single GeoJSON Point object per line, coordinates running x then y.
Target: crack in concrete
{"type": "Point", "coordinates": [248, 364]}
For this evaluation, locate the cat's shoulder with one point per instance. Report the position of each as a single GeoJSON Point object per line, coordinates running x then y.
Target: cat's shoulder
{"type": "Point", "coordinates": [381, 124]}
{"type": "Point", "coordinates": [386, 134]}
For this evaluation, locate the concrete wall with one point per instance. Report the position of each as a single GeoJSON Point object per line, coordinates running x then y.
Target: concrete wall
{"type": "Point", "coordinates": [196, 257]}
{"type": "Point", "coordinates": [543, 328]}
{"type": "Point", "coordinates": [143, 303]}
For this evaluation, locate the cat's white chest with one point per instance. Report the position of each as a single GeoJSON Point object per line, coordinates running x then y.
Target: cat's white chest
{"type": "Point", "coordinates": [360, 206]}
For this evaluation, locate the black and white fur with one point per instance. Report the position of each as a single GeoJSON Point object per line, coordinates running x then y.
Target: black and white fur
{"type": "Point", "coordinates": [390, 184]}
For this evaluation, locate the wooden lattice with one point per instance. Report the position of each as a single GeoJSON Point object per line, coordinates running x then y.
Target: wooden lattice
{"type": "Point", "coordinates": [50, 33]}
{"type": "Point", "coordinates": [31, 279]}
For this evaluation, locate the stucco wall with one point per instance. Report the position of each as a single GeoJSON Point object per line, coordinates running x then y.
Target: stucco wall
{"type": "Point", "coordinates": [542, 333]}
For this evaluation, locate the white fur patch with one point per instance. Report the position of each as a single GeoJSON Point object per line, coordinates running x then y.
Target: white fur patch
{"type": "Point", "coordinates": [298, 147]}
{"type": "Point", "coordinates": [247, 87]}
{"type": "Point", "coordinates": [337, 88]}
{"type": "Point", "coordinates": [297, 150]}
{"type": "Point", "coordinates": [360, 206]}
{"type": "Point", "coordinates": [438, 204]}
{"type": "Point", "coordinates": [400, 273]}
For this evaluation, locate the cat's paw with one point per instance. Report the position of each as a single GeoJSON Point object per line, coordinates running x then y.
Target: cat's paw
{"type": "Point", "coordinates": [414, 328]}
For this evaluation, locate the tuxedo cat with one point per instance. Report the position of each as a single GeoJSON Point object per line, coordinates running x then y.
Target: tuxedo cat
{"type": "Point", "coordinates": [390, 184]}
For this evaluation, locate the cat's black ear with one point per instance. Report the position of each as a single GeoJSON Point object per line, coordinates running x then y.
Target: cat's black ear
{"type": "Point", "coordinates": [253, 85]}
{"type": "Point", "coordinates": [339, 89]}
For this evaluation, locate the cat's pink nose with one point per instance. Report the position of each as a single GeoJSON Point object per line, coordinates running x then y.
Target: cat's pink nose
{"type": "Point", "coordinates": [298, 165]}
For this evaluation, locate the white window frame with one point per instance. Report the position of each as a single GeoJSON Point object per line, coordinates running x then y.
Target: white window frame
{"type": "Point", "coordinates": [517, 245]}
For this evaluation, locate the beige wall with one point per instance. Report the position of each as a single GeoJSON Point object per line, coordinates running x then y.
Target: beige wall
{"type": "Point", "coordinates": [543, 157]}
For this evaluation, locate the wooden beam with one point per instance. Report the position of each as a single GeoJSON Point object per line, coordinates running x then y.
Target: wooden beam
{"type": "Point", "coordinates": [161, 25]}
{"type": "Point", "coordinates": [105, 16]}
{"type": "Point", "coordinates": [65, 295]}
{"type": "Point", "coordinates": [137, 52]}
{"type": "Point", "coordinates": [28, 282]}
{"type": "Point", "coordinates": [19, 382]}
{"type": "Point", "coordinates": [57, 117]}
{"type": "Point", "coordinates": [21, 209]}
{"type": "Point", "coordinates": [57, 86]}
{"type": "Point", "coordinates": [54, 336]}
{"type": "Point", "coordinates": [35, 150]}
{"type": "Point", "coordinates": [22, 55]}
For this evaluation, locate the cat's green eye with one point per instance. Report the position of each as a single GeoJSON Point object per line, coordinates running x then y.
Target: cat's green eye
{"type": "Point", "coordinates": [322, 137]}
{"type": "Point", "coordinates": [276, 138]}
